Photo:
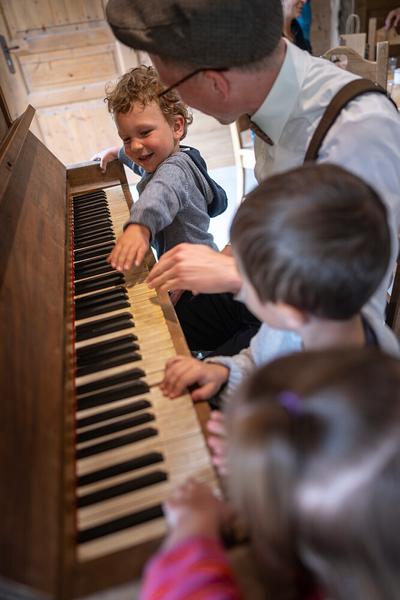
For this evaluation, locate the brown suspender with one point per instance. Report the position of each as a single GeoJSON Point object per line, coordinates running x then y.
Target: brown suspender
{"type": "Point", "coordinates": [343, 97]}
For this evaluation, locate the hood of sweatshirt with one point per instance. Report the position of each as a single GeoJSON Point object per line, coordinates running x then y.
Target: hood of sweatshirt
{"type": "Point", "coordinates": [216, 202]}
{"type": "Point", "coordinates": [219, 200]}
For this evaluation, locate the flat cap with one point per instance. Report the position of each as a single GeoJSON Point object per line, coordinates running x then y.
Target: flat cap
{"type": "Point", "coordinates": [205, 33]}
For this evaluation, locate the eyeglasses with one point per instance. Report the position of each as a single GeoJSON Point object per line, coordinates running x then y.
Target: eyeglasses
{"type": "Point", "coordinates": [189, 76]}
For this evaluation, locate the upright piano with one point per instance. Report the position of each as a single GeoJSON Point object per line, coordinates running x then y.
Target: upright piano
{"type": "Point", "coordinates": [89, 447]}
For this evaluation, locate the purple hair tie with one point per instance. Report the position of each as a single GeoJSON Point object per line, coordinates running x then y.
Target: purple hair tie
{"type": "Point", "coordinates": [291, 401]}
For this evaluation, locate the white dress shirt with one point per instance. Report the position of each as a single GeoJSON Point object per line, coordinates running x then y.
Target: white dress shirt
{"type": "Point", "coordinates": [365, 139]}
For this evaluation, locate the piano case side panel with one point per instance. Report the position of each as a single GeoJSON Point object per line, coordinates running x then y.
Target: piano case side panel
{"type": "Point", "coordinates": [32, 331]}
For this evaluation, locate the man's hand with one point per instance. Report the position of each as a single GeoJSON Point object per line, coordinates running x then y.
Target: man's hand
{"type": "Point", "coordinates": [130, 248]}
{"type": "Point", "coordinates": [105, 156]}
{"type": "Point", "coordinates": [197, 268]}
{"type": "Point", "coordinates": [393, 18]}
{"type": "Point", "coordinates": [182, 371]}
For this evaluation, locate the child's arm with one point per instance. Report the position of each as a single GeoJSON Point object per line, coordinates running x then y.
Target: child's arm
{"type": "Point", "coordinates": [130, 248]}
{"type": "Point", "coordinates": [105, 156]}
{"type": "Point", "coordinates": [183, 371]}
{"type": "Point", "coordinates": [161, 199]}
{"type": "Point", "coordinates": [192, 510]}
{"type": "Point", "coordinates": [216, 440]}
{"type": "Point", "coordinates": [192, 562]}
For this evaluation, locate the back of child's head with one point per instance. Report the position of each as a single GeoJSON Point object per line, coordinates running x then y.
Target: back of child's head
{"type": "Point", "coordinates": [142, 85]}
{"type": "Point", "coordinates": [315, 472]}
{"type": "Point", "coordinates": [316, 238]}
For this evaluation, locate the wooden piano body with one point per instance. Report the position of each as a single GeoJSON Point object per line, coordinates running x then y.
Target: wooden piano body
{"type": "Point", "coordinates": [39, 553]}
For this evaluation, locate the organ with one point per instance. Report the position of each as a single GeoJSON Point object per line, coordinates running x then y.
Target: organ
{"type": "Point", "coordinates": [89, 447]}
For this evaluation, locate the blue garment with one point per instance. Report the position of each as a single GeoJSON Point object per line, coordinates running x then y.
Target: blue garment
{"type": "Point", "coordinates": [305, 20]}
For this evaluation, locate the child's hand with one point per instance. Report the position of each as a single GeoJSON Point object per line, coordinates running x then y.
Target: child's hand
{"type": "Point", "coordinates": [217, 441]}
{"type": "Point", "coordinates": [193, 510]}
{"type": "Point", "coordinates": [182, 371]}
{"type": "Point", "coordinates": [130, 248]}
{"type": "Point", "coordinates": [105, 156]}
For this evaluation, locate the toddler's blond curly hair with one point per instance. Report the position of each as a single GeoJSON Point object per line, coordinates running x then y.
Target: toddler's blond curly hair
{"type": "Point", "coordinates": [143, 85]}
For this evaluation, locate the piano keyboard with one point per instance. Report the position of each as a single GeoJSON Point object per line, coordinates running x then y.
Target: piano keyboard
{"type": "Point", "coordinates": [132, 444]}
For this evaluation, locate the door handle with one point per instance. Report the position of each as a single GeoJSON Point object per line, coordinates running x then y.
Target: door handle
{"type": "Point", "coordinates": [6, 51]}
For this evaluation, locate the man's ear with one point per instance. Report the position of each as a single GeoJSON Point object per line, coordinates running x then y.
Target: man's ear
{"type": "Point", "coordinates": [219, 83]}
{"type": "Point", "coordinates": [293, 317]}
{"type": "Point", "coordinates": [178, 127]}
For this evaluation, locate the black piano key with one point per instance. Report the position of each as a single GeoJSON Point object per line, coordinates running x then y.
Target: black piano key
{"type": "Point", "coordinates": [89, 354]}
{"type": "Point", "coordinates": [114, 412]}
{"type": "Point", "coordinates": [87, 237]}
{"type": "Point", "coordinates": [99, 310]}
{"type": "Point", "coordinates": [89, 202]}
{"type": "Point", "coordinates": [103, 326]}
{"type": "Point", "coordinates": [108, 363]}
{"type": "Point", "coordinates": [100, 384]}
{"type": "Point", "coordinates": [135, 388]}
{"type": "Point", "coordinates": [117, 442]}
{"type": "Point", "coordinates": [95, 192]}
{"type": "Point", "coordinates": [136, 518]}
{"type": "Point", "coordinates": [106, 346]}
{"type": "Point", "coordinates": [84, 267]}
{"type": "Point", "coordinates": [102, 238]}
{"type": "Point", "coordinates": [92, 299]}
{"type": "Point", "coordinates": [91, 213]}
{"type": "Point", "coordinates": [90, 228]}
{"type": "Point", "coordinates": [95, 261]}
{"type": "Point", "coordinates": [82, 221]}
{"type": "Point", "coordinates": [125, 467]}
{"type": "Point", "coordinates": [93, 270]}
{"type": "Point", "coordinates": [96, 252]}
{"type": "Point", "coordinates": [116, 427]}
{"type": "Point", "coordinates": [89, 195]}
{"type": "Point", "coordinates": [98, 258]}
{"type": "Point", "coordinates": [90, 235]}
{"type": "Point", "coordinates": [98, 283]}
{"type": "Point", "coordinates": [120, 489]}
{"type": "Point", "coordinates": [82, 199]}
{"type": "Point", "coordinates": [87, 265]}
{"type": "Point", "coordinates": [113, 359]}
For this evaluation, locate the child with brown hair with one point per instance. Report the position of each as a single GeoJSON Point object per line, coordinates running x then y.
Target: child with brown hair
{"type": "Point", "coordinates": [177, 197]}
{"type": "Point", "coordinates": [312, 245]}
{"type": "Point", "coordinates": [314, 473]}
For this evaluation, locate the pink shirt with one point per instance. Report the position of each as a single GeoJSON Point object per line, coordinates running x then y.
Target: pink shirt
{"type": "Point", "coordinates": [194, 569]}
{"type": "Point", "coordinates": [197, 568]}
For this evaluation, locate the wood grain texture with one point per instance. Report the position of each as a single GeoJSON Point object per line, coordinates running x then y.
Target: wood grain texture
{"type": "Point", "coordinates": [32, 313]}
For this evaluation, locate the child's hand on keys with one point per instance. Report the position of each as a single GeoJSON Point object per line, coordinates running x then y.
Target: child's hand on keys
{"type": "Point", "coordinates": [130, 248]}
{"type": "Point", "coordinates": [184, 371]}
{"type": "Point", "coordinates": [193, 510]}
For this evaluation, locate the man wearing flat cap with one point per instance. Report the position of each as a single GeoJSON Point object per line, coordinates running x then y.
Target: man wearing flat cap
{"type": "Point", "coordinates": [228, 58]}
